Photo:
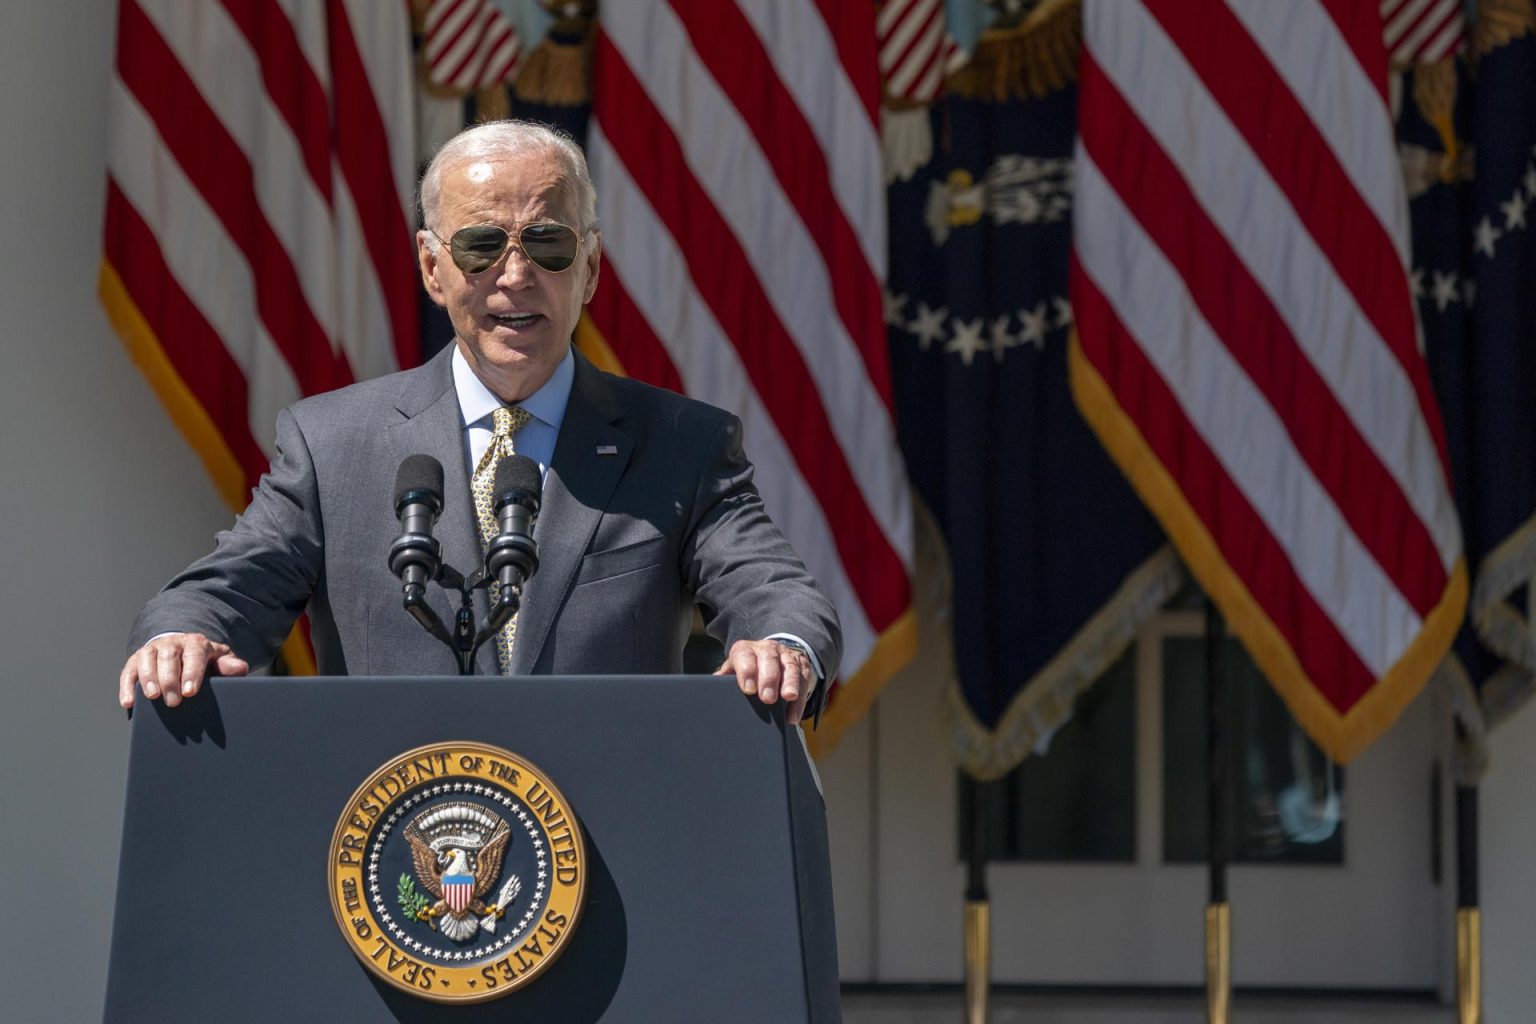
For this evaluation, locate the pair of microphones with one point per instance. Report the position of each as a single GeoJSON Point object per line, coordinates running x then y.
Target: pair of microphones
{"type": "Point", "coordinates": [511, 557]}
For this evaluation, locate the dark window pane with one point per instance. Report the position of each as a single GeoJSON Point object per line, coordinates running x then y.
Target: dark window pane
{"type": "Point", "coordinates": [1287, 802]}
{"type": "Point", "coordinates": [1076, 802]}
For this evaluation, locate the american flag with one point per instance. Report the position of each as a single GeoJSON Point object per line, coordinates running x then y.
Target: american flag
{"type": "Point", "coordinates": [916, 51]}
{"type": "Point", "coordinates": [1247, 345]}
{"type": "Point", "coordinates": [258, 220]}
{"type": "Point", "coordinates": [1422, 31]}
{"type": "Point", "coordinates": [737, 160]}
{"type": "Point", "coordinates": [468, 45]}
{"type": "Point", "coordinates": [258, 240]}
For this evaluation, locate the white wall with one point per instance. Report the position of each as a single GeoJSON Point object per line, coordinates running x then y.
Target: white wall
{"type": "Point", "coordinates": [1508, 835]}
{"type": "Point", "coordinates": [104, 501]}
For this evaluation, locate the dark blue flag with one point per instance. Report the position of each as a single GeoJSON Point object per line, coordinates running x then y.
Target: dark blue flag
{"type": "Point", "coordinates": [1474, 240]}
{"type": "Point", "coordinates": [1055, 561]}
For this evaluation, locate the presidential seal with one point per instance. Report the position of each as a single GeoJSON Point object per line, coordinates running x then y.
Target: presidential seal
{"type": "Point", "coordinates": [457, 872]}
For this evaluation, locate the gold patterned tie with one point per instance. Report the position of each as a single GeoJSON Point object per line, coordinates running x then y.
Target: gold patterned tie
{"type": "Point", "coordinates": [506, 422]}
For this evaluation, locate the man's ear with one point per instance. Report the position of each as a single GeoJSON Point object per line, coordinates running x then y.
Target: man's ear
{"type": "Point", "coordinates": [428, 260]}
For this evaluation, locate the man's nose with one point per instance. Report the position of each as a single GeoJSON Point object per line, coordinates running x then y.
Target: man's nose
{"type": "Point", "coordinates": [515, 269]}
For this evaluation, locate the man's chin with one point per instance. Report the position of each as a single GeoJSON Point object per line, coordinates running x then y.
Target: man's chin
{"type": "Point", "coordinates": [515, 366]}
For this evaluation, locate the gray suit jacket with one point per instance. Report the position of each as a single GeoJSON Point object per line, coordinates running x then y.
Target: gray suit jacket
{"type": "Point", "coordinates": [628, 542]}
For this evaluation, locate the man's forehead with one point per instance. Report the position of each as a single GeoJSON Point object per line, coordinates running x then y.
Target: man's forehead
{"type": "Point", "coordinates": [535, 176]}
{"type": "Point", "coordinates": [479, 172]}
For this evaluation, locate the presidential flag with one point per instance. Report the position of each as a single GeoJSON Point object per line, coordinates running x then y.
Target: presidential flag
{"type": "Point", "coordinates": [1054, 562]}
{"type": "Point", "coordinates": [1501, 515]}
{"type": "Point", "coordinates": [1247, 346]}
{"type": "Point", "coordinates": [1472, 190]}
{"type": "Point", "coordinates": [735, 150]}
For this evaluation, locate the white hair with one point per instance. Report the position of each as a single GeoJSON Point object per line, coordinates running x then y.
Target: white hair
{"type": "Point", "coordinates": [510, 139]}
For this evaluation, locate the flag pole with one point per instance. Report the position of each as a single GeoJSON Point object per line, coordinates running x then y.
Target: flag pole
{"type": "Point", "coordinates": [1218, 912]}
{"type": "Point", "coordinates": [1469, 921]}
{"type": "Point", "coordinates": [978, 924]}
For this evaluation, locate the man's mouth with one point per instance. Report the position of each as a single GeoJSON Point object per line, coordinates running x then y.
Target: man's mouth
{"type": "Point", "coordinates": [515, 320]}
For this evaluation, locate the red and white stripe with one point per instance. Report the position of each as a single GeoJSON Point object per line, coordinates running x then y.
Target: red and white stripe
{"type": "Point", "coordinates": [469, 45]}
{"type": "Point", "coordinates": [1422, 31]}
{"type": "Point", "coordinates": [916, 51]}
{"type": "Point", "coordinates": [737, 162]}
{"type": "Point", "coordinates": [1240, 285]}
{"type": "Point", "coordinates": [458, 891]}
{"type": "Point", "coordinates": [259, 198]}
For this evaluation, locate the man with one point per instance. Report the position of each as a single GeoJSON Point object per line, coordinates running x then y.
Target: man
{"type": "Point", "coordinates": [648, 504]}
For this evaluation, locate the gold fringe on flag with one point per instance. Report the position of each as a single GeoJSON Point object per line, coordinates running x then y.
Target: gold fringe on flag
{"type": "Point", "coordinates": [1503, 623]}
{"type": "Point", "coordinates": [1045, 701]}
{"type": "Point", "coordinates": [590, 341]}
{"type": "Point", "coordinates": [1469, 749]}
{"type": "Point", "coordinates": [1341, 734]}
{"type": "Point", "coordinates": [1024, 56]}
{"type": "Point", "coordinates": [189, 416]}
{"type": "Point", "coordinates": [558, 73]}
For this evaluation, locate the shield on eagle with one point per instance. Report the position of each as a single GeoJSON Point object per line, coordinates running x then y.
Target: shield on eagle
{"type": "Point", "coordinates": [458, 890]}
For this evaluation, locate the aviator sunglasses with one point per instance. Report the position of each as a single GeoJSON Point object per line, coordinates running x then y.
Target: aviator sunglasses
{"type": "Point", "coordinates": [546, 244]}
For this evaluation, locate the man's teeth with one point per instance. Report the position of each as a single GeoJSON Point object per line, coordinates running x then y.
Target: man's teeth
{"type": "Point", "coordinates": [516, 319]}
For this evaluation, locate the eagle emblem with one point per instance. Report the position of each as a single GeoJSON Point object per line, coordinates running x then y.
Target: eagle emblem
{"type": "Point", "coordinates": [457, 872]}
{"type": "Point", "coordinates": [457, 849]}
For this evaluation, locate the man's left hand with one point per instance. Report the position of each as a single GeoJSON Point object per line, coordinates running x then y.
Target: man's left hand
{"type": "Point", "coordinates": [771, 670]}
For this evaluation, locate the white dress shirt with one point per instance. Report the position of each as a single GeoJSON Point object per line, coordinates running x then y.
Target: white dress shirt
{"type": "Point", "coordinates": [545, 407]}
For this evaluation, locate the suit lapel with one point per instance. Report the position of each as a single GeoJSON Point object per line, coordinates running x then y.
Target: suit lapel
{"type": "Point", "coordinates": [434, 425]}
{"type": "Point", "coordinates": [577, 488]}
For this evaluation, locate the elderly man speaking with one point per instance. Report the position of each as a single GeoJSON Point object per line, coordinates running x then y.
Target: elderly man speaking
{"type": "Point", "coordinates": [649, 508]}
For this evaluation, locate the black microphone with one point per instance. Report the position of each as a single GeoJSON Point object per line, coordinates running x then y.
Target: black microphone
{"type": "Point", "coordinates": [416, 556]}
{"type": "Point", "coordinates": [513, 557]}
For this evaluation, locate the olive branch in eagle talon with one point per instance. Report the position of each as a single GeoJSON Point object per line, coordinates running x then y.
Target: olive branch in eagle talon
{"type": "Point", "coordinates": [412, 903]}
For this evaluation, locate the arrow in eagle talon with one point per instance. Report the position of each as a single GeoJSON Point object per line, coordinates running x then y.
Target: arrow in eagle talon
{"type": "Point", "coordinates": [508, 893]}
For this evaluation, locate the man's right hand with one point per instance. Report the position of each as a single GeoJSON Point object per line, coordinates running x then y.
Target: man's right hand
{"type": "Point", "coordinates": [175, 664]}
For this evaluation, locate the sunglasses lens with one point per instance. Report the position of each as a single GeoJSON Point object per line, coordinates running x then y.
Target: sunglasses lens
{"type": "Point", "coordinates": [474, 249]}
{"type": "Point", "coordinates": [551, 246]}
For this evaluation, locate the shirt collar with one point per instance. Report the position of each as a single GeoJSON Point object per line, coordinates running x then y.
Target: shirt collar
{"type": "Point", "coordinates": [476, 401]}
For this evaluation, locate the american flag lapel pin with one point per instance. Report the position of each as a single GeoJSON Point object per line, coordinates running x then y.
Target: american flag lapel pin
{"type": "Point", "coordinates": [607, 449]}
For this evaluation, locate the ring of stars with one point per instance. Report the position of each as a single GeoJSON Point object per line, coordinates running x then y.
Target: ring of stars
{"type": "Point", "coordinates": [970, 339]}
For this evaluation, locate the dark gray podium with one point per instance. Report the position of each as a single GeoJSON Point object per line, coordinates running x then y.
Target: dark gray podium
{"type": "Point", "coordinates": [708, 888]}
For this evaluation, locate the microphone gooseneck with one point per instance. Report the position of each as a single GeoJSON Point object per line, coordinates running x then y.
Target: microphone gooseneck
{"type": "Point", "coordinates": [511, 557]}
